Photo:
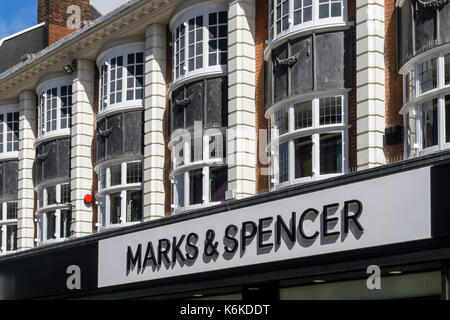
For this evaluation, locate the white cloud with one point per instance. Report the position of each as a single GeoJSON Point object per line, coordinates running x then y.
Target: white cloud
{"type": "Point", "coordinates": [105, 6]}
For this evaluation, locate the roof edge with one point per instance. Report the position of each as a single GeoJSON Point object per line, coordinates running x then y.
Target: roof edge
{"type": "Point", "coordinates": [21, 32]}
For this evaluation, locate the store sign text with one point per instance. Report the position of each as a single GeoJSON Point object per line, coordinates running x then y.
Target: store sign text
{"type": "Point", "coordinates": [268, 233]}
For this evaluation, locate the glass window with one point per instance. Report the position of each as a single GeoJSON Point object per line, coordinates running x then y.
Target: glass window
{"type": "Point", "coordinates": [51, 195]}
{"type": "Point", "coordinates": [429, 124]}
{"type": "Point", "coordinates": [447, 118]}
{"type": "Point", "coordinates": [178, 150]}
{"type": "Point", "coordinates": [447, 68]}
{"type": "Point", "coordinates": [66, 107]}
{"type": "Point", "coordinates": [411, 133]}
{"type": "Point", "coordinates": [65, 193]}
{"type": "Point", "coordinates": [218, 179]}
{"type": "Point", "coordinates": [330, 153]}
{"type": "Point", "coordinates": [115, 201]}
{"type": "Point", "coordinates": [179, 190]}
{"type": "Point", "coordinates": [134, 172]}
{"type": "Point", "coordinates": [330, 8]}
{"type": "Point", "coordinates": [104, 87]}
{"type": "Point", "coordinates": [135, 76]}
{"type": "Point", "coordinates": [12, 131]}
{"type": "Point", "coordinates": [330, 110]}
{"type": "Point", "coordinates": [410, 86]}
{"type": "Point", "coordinates": [11, 211]}
{"type": "Point", "coordinates": [116, 175]}
{"type": "Point", "coordinates": [102, 209]}
{"type": "Point", "coordinates": [11, 238]}
{"type": "Point", "coordinates": [282, 15]}
{"type": "Point", "coordinates": [116, 75]}
{"type": "Point", "coordinates": [51, 225]}
{"type": "Point", "coordinates": [65, 223]}
{"type": "Point", "coordinates": [282, 121]}
{"type": "Point", "coordinates": [195, 48]}
{"type": "Point", "coordinates": [303, 115]}
{"type": "Point", "coordinates": [427, 73]}
{"type": "Point", "coordinates": [180, 42]}
{"type": "Point", "coordinates": [302, 11]}
{"type": "Point", "coordinates": [218, 38]}
{"type": "Point", "coordinates": [271, 25]}
{"type": "Point", "coordinates": [303, 157]}
{"type": "Point", "coordinates": [196, 187]}
{"type": "Point", "coordinates": [217, 147]}
{"type": "Point", "coordinates": [2, 117]}
{"type": "Point", "coordinates": [102, 178]}
{"type": "Point", "coordinates": [197, 149]}
{"type": "Point", "coordinates": [134, 206]}
{"type": "Point", "coordinates": [52, 107]}
{"type": "Point", "coordinates": [42, 114]}
{"type": "Point", "coordinates": [283, 162]}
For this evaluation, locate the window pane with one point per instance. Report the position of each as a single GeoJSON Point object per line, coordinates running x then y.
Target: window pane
{"type": "Point", "coordinates": [11, 238]}
{"type": "Point", "coordinates": [303, 157]}
{"type": "Point", "coordinates": [330, 110]}
{"type": "Point", "coordinates": [428, 75]}
{"type": "Point", "coordinates": [197, 149]}
{"type": "Point", "coordinates": [66, 222]}
{"type": "Point", "coordinates": [303, 115]}
{"type": "Point", "coordinates": [410, 86]}
{"type": "Point", "coordinates": [196, 186]}
{"type": "Point", "coordinates": [330, 153]}
{"type": "Point", "coordinates": [447, 69]}
{"type": "Point", "coordinates": [51, 225]}
{"type": "Point", "coordinates": [447, 118]}
{"type": "Point", "coordinates": [218, 183]}
{"type": "Point", "coordinates": [134, 206]}
{"type": "Point", "coordinates": [65, 193]}
{"type": "Point", "coordinates": [116, 175]}
{"type": "Point", "coordinates": [179, 190]}
{"type": "Point", "coordinates": [411, 122]}
{"type": "Point", "coordinates": [429, 123]}
{"type": "Point", "coordinates": [217, 147]}
{"type": "Point", "coordinates": [282, 121]}
{"type": "Point", "coordinates": [115, 208]}
{"type": "Point", "coordinates": [51, 195]}
{"type": "Point", "coordinates": [103, 178]}
{"type": "Point", "coordinates": [134, 172]}
{"type": "Point", "coordinates": [11, 210]}
{"type": "Point", "coordinates": [283, 162]}
{"type": "Point", "coordinates": [102, 206]}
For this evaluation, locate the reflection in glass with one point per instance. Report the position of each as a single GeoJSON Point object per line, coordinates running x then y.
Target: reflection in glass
{"type": "Point", "coordinates": [196, 186]}
{"type": "Point", "coordinates": [51, 225]}
{"type": "Point", "coordinates": [330, 153]}
{"type": "Point", "coordinates": [134, 206]}
{"type": "Point", "coordinates": [179, 190]}
{"type": "Point", "coordinates": [283, 162]}
{"type": "Point", "coordinates": [303, 157]}
{"type": "Point", "coordinates": [219, 183]}
{"type": "Point", "coordinates": [115, 208]}
{"type": "Point", "coordinates": [429, 123]}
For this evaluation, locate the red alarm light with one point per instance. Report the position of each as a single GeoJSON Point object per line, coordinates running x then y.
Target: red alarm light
{"type": "Point", "coordinates": [88, 199]}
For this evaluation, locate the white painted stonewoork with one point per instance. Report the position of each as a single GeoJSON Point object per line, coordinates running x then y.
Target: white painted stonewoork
{"type": "Point", "coordinates": [27, 127]}
{"type": "Point", "coordinates": [155, 105]}
{"type": "Point", "coordinates": [82, 139]}
{"type": "Point", "coordinates": [241, 151]}
{"type": "Point", "coordinates": [370, 35]}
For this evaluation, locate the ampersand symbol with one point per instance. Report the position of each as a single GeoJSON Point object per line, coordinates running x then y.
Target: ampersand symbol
{"type": "Point", "coordinates": [211, 246]}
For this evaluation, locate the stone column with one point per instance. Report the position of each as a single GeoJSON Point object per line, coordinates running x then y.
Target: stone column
{"type": "Point", "coordinates": [370, 34]}
{"type": "Point", "coordinates": [27, 127]}
{"type": "Point", "coordinates": [155, 105]}
{"type": "Point", "coordinates": [81, 152]}
{"type": "Point", "coordinates": [241, 151]}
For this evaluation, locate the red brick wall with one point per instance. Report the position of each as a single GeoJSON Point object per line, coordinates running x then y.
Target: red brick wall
{"type": "Point", "coordinates": [353, 160]}
{"type": "Point", "coordinates": [261, 122]}
{"type": "Point", "coordinates": [54, 13]}
{"type": "Point", "coordinates": [394, 83]}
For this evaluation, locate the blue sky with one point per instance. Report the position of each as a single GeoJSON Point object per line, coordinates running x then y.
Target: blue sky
{"type": "Point", "coordinates": [16, 15]}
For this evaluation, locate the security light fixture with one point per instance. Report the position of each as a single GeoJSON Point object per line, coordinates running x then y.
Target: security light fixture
{"type": "Point", "coordinates": [71, 68]}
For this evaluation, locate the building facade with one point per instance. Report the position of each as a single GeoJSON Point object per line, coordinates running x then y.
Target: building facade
{"type": "Point", "coordinates": [163, 116]}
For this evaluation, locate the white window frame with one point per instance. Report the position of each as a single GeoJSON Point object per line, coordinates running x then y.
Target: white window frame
{"type": "Point", "coordinates": [314, 132]}
{"type": "Point", "coordinates": [122, 188]}
{"type": "Point", "coordinates": [105, 60]}
{"type": "Point", "coordinates": [313, 23]}
{"type": "Point", "coordinates": [41, 91]}
{"type": "Point", "coordinates": [183, 18]}
{"type": "Point", "coordinates": [5, 111]}
{"type": "Point", "coordinates": [414, 104]}
{"type": "Point", "coordinates": [42, 213]}
{"type": "Point", "coordinates": [205, 164]}
{"type": "Point", "coordinates": [4, 223]}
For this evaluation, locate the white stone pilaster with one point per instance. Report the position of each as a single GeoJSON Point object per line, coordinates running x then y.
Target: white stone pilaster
{"type": "Point", "coordinates": [27, 127]}
{"type": "Point", "coordinates": [155, 106]}
{"type": "Point", "coordinates": [370, 35]}
{"type": "Point", "coordinates": [241, 151]}
{"type": "Point", "coordinates": [82, 140]}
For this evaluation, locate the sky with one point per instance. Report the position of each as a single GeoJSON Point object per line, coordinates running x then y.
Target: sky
{"type": "Point", "coordinates": [18, 15]}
